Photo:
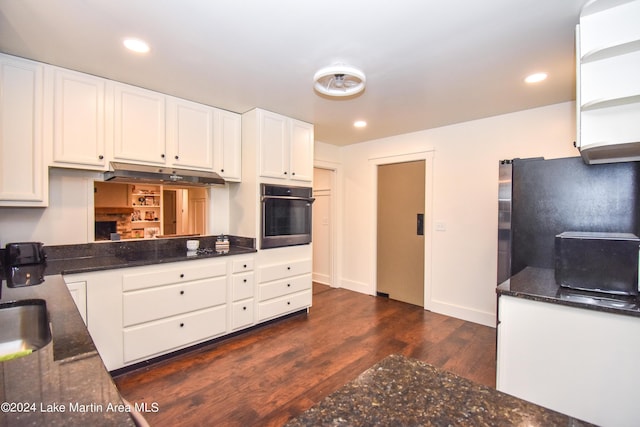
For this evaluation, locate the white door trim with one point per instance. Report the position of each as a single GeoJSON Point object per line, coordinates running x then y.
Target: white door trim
{"type": "Point", "coordinates": [334, 218]}
{"type": "Point", "coordinates": [427, 156]}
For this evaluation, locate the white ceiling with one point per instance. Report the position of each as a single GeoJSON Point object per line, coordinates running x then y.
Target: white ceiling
{"type": "Point", "coordinates": [428, 63]}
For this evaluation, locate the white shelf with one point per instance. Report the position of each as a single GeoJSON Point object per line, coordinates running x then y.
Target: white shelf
{"type": "Point", "coordinates": [608, 93]}
{"type": "Point", "coordinates": [611, 102]}
{"type": "Point", "coordinates": [616, 124]}
{"type": "Point", "coordinates": [613, 25]}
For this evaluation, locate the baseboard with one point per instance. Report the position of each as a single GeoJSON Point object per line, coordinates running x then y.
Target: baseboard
{"type": "Point", "coordinates": [440, 307]}
{"type": "Point", "coordinates": [464, 313]}
{"type": "Point", "coordinates": [352, 285]}
{"type": "Point", "coordinates": [323, 279]}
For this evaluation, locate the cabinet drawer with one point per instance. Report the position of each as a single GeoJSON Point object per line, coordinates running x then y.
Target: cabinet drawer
{"type": "Point", "coordinates": [172, 333]}
{"type": "Point", "coordinates": [242, 314]}
{"type": "Point", "coordinates": [279, 306]}
{"type": "Point", "coordinates": [146, 278]}
{"type": "Point", "coordinates": [242, 265]}
{"type": "Point", "coordinates": [280, 271]}
{"type": "Point", "coordinates": [243, 285]}
{"type": "Point", "coordinates": [155, 303]}
{"type": "Point", "coordinates": [284, 287]}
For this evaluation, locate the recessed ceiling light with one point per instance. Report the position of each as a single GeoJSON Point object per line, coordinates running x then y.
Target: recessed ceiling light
{"type": "Point", "coordinates": [136, 45]}
{"type": "Point", "coordinates": [360, 123]}
{"type": "Point", "coordinates": [536, 77]}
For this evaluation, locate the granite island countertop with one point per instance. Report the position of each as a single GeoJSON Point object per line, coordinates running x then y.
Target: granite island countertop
{"type": "Point", "coordinates": [405, 392]}
{"type": "Point", "coordinates": [539, 284]}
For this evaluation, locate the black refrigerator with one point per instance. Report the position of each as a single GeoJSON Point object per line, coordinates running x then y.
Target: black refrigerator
{"type": "Point", "coordinates": [539, 199]}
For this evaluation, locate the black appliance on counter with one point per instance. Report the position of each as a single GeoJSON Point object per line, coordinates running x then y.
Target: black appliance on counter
{"type": "Point", "coordinates": [540, 199]}
{"type": "Point", "coordinates": [24, 264]}
{"type": "Point", "coordinates": [602, 262]}
{"type": "Point", "coordinates": [286, 215]}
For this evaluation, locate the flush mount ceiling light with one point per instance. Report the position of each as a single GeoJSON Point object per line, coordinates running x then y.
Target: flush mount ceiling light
{"type": "Point", "coordinates": [339, 80]}
{"type": "Point", "coordinates": [360, 124]}
{"type": "Point", "coordinates": [136, 45]}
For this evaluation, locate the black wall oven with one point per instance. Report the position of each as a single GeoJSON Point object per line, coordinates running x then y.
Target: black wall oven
{"type": "Point", "coordinates": [286, 215]}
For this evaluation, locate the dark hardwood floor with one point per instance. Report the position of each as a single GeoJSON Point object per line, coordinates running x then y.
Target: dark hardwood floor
{"type": "Point", "coordinates": [273, 373]}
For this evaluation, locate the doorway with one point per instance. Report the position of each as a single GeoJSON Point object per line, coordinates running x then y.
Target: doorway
{"type": "Point", "coordinates": [322, 231]}
{"type": "Point", "coordinates": [169, 218]}
{"type": "Point", "coordinates": [400, 255]}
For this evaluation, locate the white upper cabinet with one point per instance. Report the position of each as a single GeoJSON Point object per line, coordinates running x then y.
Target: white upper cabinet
{"type": "Point", "coordinates": [286, 147]}
{"type": "Point", "coordinates": [139, 125]}
{"type": "Point", "coordinates": [23, 172]}
{"type": "Point", "coordinates": [190, 134]}
{"type": "Point", "coordinates": [74, 120]}
{"type": "Point", "coordinates": [78, 120]}
{"type": "Point", "coordinates": [301, 150]}
{"type": "Point", "coordinates": [273, 144]}
{"type": "Point", "coordinates": [608, 92]}
{"type": "Point", "coordinates": [227, 145]}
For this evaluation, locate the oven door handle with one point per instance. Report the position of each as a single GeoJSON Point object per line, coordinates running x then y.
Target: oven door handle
{"type": "Point", "coordinates": [306, 199]}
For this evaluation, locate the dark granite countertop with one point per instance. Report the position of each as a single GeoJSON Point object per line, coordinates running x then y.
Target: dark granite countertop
{"type": "Point", "coordinates": [64, 383]}
{"type": "Point", "coordinates": [539, 284]}
{"type": "Point", "coordinates": [71, 259]}
{"type": "Point", "coordinates": [406, 392]}
{"type": "Point", "coordinates": [133, 259]}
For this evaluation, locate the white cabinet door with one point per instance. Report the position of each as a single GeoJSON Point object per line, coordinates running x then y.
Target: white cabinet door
{"type": "Point", "coordinates": [301, 151]}
{"type": "Point", "coordinates": [103, 312]}
{"type": "Point", "coordinates": [79, 120]}
{"type": "Point", "coordinates": [139, 121]}
{"type": "Point", "coordinates": [190, 134]}
{"type": "Point", "coordinates": [227, 158]}
{"type": "Point", "coordinates": [285, 146]}
{"type": "Point", "coordinates": [273, 145]}
{"type": "Point", "coordinates": [78, 292]}
{"type": "Point", "coordinates": [580, 362]}
{"type": "Point", "coordinates": [23, 173]}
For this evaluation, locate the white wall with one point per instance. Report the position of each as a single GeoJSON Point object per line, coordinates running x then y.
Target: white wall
{"type": "Point", "coordinates": [465, 192]}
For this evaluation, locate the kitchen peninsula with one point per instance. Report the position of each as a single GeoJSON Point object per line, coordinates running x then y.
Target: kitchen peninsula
{"type": "Point", "coordinates": [575, 352]}
{"type": "Point", "coordinates": [66, 382]}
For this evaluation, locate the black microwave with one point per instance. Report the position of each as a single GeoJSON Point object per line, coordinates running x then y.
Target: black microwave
{"type": "Point", "coordinates": [286, 215]}
{"type": "Point", "coordinates": [597, 261]}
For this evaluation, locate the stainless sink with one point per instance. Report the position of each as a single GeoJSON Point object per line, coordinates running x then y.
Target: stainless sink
{"type": "Point", "coordinates": [24, 326]}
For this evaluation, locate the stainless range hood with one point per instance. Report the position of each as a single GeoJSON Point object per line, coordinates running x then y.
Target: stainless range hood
{"type": "Point", "coordinates": [127, 172]}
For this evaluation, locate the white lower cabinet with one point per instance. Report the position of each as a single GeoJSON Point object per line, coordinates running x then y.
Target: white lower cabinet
{"type": "Point", "coordinates": [242, 293]}
{"type": "Point", "coordinates": [286, 304]}
{"type": "Point", "coordinates": [104, 312]}
{"type": "Point", "coordinates": [242, 314]}
{"type": "Point", "coordinates": [78, 291]}
{"type": "Point", "coordinates": [581, 362]}
{"type": "Point", "coordinates": [285, 287]}
{"type": "Point", "coordinates": [137, 313]}
{"type": "Point", "coordinates": [151, 304]}
{"type": "Point", "coordinates": [157, 337]}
